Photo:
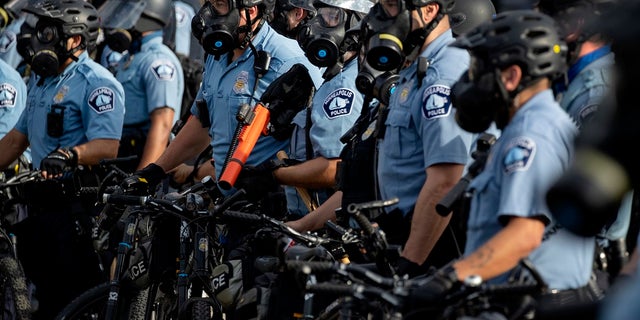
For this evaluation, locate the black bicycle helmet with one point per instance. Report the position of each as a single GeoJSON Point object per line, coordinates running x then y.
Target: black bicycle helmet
{"type": "Point", "coordinates": [468, 14]}
{"type": "Point", "coordinates": [77, 17]}
{"type": "Point", "coordinates": [160, 11]}
{"type": "Point", "coordinates": [527, 38]}
{"type": "Point", "coordinates": [266, 6]}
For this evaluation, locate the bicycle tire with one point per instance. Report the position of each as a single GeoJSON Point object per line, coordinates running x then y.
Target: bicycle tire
{"type": "Point", "coordinates": [200, 310]}
{"type": "Point", "coordinates": [15, 292]}
{"type": "Point", "coordinates": [138, 305]}
{"type": "Point", "coordinates": [92, 304]}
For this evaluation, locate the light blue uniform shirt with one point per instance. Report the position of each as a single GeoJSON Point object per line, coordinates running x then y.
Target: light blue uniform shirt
{"type": "Point", "coordinates": [225, 87]}
{"type": "Point", "coordinates": [421, 129]}
{"type": "Point", "coordinates": [93, 101]}
{"type": "Point", "coordinates": [590, 82]}
{"type": "Point", "coordinates": [13, 97]}
{"type": "Point", "coordinates": [336, 107]}
{"type": "Point", "coordinates": [151, 78]}
{"type": "Point", "coordinates": [8, 42]}
{"type": "Point", "coordinates": [184, 13]}
{"type": "Point", "coordinates": [535, 148]}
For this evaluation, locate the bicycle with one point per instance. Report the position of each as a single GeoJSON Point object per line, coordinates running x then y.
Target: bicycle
{"type": "Point", "coordinates": [177, 289]}
{"type": "Point", "coordinates": [365, 294]}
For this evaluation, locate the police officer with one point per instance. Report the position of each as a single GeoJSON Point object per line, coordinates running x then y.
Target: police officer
{"type": "Point", "coordinates": [232, 33]}
{"type": "Point", "coordinates": [150, 73]}
{"type": "Point", "coordinates": [186, 44]}
{"type": "Point", "coordinates": [290, 15]}
{"type": "Point", "coordinates": [73, 119]}
{"type": "Point", "coordinates": [588, 84]}
{"type": "Point", "coordinates": [335, 107]}
{"type": "Point", "coordinates": [509, 219]}
{"type": "Point", "coordinates": [423, 152]}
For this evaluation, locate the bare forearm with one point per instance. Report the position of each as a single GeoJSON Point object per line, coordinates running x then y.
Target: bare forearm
{"type": "Point", "coordinates": [189, 142]}
{"type": "Point", "coordinates": [316, 219]}
{"type": "Point", "coordinates": [316, 173]}
{"type": "Point", "coordinates": [427, 225]}
{"type": "Point", "coordinates": [13, 144]}
{"type": "Point", "coordinates": [502, 252]}
{"type": "Point", "coordinates": [157, 137]}
{"type": "Point", "coordinates": [92, 152]}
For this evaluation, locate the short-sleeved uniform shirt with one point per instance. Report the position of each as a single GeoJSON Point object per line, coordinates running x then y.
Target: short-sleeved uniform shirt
{"type": "Point", "coordinates": [93, 102]}
{"type": "Point", "coordinates": [335, 108]}
{"type": "Point", "coordinates": [535, 148]}
{"type": "Point", "coordinates": [152, 78]}
{"type": "Point", "coordinates": [13, 97]}
{"type": "Point", "coordinates": [421, 129]}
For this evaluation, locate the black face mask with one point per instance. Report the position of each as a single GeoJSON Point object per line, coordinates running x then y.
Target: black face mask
{"type": "Point", "coordinates": [479, 103]}
{"type": "Point", "coordinates": [385, 36]}
{"type": "Point", "coordinates": [321, 38]}
{"type": "Point", "coordinates": [217, 33]}
{"type": "Point", "coordinates": [23, 43]}
{"type": "Point", "coordinates": [48, 44]}
{"type": "Point", "coordinates": [280, 23]}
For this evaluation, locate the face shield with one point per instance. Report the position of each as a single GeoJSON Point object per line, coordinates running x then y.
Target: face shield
{"type": "Point", "coordinates": [120, 14]}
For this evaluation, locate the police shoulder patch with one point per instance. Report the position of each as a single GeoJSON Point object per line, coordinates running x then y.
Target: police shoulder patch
{"type": "Point", "coordinates": [8, 95]}
{"type": "Point", "coordinates": [436, 102]}
{"type": "Point", "coordinates": [164, 69]}
{"type": "Point", "coordinates": [338, 103]}
{"type": "Point", "coordinates": [519, 155]}
{"type": "Point", "coordinates": [101, 100]}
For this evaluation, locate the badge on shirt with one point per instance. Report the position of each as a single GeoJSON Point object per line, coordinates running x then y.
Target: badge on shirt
{"type": "Point", "coordinates": [404, 92]}
{"type": "Point", "coordinates": [163, 70]}
{"type": "Point", "coordinates": [436, 102]}
{"type": "Point", "coordinates": [7, 95]}
{"type": "Point", "coordinates": [101, 100]}
{"type": "Point", "coordinates": [242, 82]}
{"type": "Point", "coordinates": [62, 92]}
{"type": "Point", "coordinates": [6, 40]}
{"type": "Point", "coordinates": [519, 156]}
{"type": "Point", "coordinates": [338, 103]}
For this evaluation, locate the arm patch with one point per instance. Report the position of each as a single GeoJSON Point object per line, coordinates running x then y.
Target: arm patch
{"type": "Point", "coordinates": [436, 102]}
{"type": "Point", "coordinates": [101, 100]}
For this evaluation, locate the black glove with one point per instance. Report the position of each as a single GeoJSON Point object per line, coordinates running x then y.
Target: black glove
{"type": "Point", "coordinates": [258, 180]}
{"type": "Point", "coordinates": [407, 267]}
{"type": "Point", "coordinates": [433, 288]}
{"type": "Point", "coordinates": [59, 160]}
{"type": "Point", "coordinates": [144, 181]}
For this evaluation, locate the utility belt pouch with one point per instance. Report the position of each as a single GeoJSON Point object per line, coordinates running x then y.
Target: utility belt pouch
{"type": "Point", "coordinates": [55, 121]}
{"type": "Point", "coordinates": [203, 113]}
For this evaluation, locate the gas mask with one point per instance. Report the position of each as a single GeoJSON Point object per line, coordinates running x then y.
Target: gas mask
{"type": "Point", "coordinates": [321, 38]}
{"type": "Point", "coordinates": [480, 98]}
{"type": "Point", "coordinates": [385, 36]}
{"type": "Point", "coordinates": [378, 84]}
{"type": "Point", "coordinates": [49, 47]}
{"type": "Point", "coordinates": [217, 27]}
{"type": "Point", "coordinates": [23, 40]}
{"type": "Point", "coordinates": [121, 40]}
{"type": "Point", "coordinates": [280, 21]}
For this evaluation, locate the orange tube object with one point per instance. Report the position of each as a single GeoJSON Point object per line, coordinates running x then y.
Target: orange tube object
{"type": "Point", "coordinates": [246, 141]}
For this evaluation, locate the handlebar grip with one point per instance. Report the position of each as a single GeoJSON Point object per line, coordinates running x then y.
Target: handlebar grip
{"type": "Point", "coordinates": [453, 197]}
{"type": "Point", "coordinates": [247, 140]}
{"type": "Point", "coordinates": [309, 267]}
{"type": "Point", "coordinates": [364, 223]}
{"type": "Point", "coordinates": [124, 199]}
{"type": "Point", "coordinates": [106, 162]}
{"type": "Point", "coordinates": [241, 216]}
{"type": "Point", "coordinates": [332, 288]}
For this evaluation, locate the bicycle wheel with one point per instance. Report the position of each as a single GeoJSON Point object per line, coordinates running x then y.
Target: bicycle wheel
{"type": "Point", "coordinates": [16, 302]}
{"type": "Point", "coordinates": [92, 304]}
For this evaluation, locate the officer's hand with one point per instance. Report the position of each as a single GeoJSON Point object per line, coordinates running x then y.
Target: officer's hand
{"type": "Point", "coordinates": [433, 288]}
{"type": "Point", "coordinates": [407, 267]}
{"type": "Point", "coordinates": [58, 161]}
{"type": "Point", "coordinates": [257, 181]}
{"type": "Point", "coordinates": [144, 181]}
